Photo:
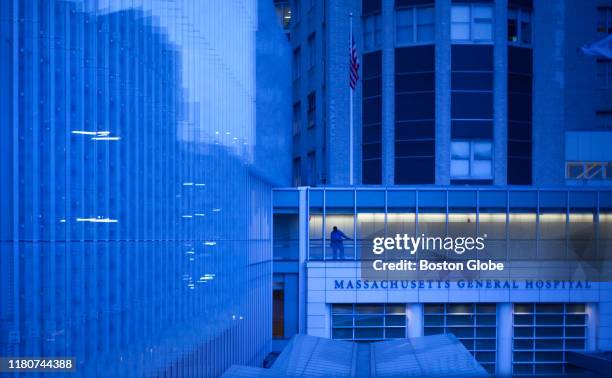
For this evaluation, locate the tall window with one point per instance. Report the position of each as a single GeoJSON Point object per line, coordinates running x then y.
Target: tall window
{"type": "Point", "coordinates": [519, 27]}
{"type": "Point", "coordinates": [312, 50]}
{"type": "Point", "coordinates": [278, 310]}
{"type": "Point", "coordinates": [312, 109]}
{"type": "Point", "coordinates": [297, 118]}
{"type": "Point", "coordinates": [368, 322]}
{"type": "Point", "coordinates": [372, 36]}
{"type": "Point", "coordinates": [414, 26]}
{"type": "Point", "coordinates": [297, 63]}
{"type": "Point", "coordinates": [604, 20]}
{"type": "Point", "coordinates": [472, 23]}
{"type": "Point", "coordinates": [471, 160]}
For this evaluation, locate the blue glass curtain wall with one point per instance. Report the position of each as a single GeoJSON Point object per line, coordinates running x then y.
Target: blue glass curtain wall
{"type": "Point", "coordinates": [128, 239]}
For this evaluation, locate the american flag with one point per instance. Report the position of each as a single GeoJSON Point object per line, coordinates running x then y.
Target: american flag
{"type": "Point", "coordinates": [353, 65]}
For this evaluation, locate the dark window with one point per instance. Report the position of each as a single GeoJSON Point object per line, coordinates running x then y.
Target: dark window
{"type": "Point", "coordinates": [312, 50]}
{"type": "Point", "coordinates": [520, 114]}
{"type": "Point", "coordinates": [371, 6]}
{"type": "Point", "coordinates": [372, 119]}
{"type": "Point", "coordinates": [417, 170]}
{"type": "Point", "coordinates": [472, 105]}
{"type": "Point", "coordinates": [472, 58]}
{"type": "Point", "coordinates": [297, 118]}
{"type": "Point", "coordinates": [471, 95]}
{"type": "Point", "coordinates": [312, 109]}
{"type": "Point", "coordinates": [297, 63]}
{"type": "Point", "coordinates": [278, 315]}
{"type": "Point", "coordinates": [415, 115]}
{"type": "Point", "coordinates": [372, 171]}
{"type": "Point", "coordinates": [603, 120]}
{"type": "Point", "coordinates": [604, 20]}
{"type": "Point", "coordinates": [372, 110]}
{"type": "Point", "coordinates": [519, 27]}
{"type": "Point", "coordinates": [472, 129]}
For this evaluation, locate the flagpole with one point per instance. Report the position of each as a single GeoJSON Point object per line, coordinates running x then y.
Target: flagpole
{"type": "Point", "coordinates": [351, 106]}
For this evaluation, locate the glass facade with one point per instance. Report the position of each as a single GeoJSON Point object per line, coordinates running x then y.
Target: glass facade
{"type": "Point", "coordinates": [519, 224]}
{"type": "Point", "coordinates": [135, 234]}
{"type": "Point", "coordinates": [475, 325]}
{"type": "Point", "coordinates": [368, 321]}
{"type": "Point", "coordinates": [543, 333]}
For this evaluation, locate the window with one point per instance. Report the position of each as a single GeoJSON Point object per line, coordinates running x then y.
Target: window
{"type": "Point", "coordinates": [312, 52]}
{"type": "Point", "coordinates": [414, 25]}
{"type": "Point", "coordinates": [297, 63]}
{"type": "Point", "coordinates": [297, 118]}
{"type": "Point", "coordinates": [604, 73]}
{"type": "Point", "coordinates": [542, 333]}
{"type": "Point", "coordinates": [519, 27]}
{"type": "Point", "coordinates": [580, 170]}
{"type": "Point", "coordinates": [283, 12]}
{"type": "Point", "coordinates": [368, 322]}
{"type": "Point", "coordinates": [278, 310]}
{"type": "Point", "coordinates": [471, 159]}
{"type": "Point", "coordinates": [297, 171]}
{"type": "Point", "coordinates": [372, 37]}
{"type": "Point", "coordinates": [312, 108]}
{"type": "Point", "coordinates": [472, 23]}
{"type": "Point", "coordinates": [474, 325]}
{"type": "Point", "coordinates": [604, 20]}
{"type": "Point", "coordinates": [604, 119]}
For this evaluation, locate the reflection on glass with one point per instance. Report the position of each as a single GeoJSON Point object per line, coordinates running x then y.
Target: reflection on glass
{"type": "Point", "coordinates": [581, 237]}
{"type": "Point", "coordinates": [432, 224]}
{"type": "Point", "coordinates": [522, 236]}
{"type": "Point", "coordinates": [401, 223]}
{"type": "Point", "coordinates": [552, 233]}
{"type": "Point", "coordinates": [315, 232]}
{"type": "Point", "coordinates": [493, 225]}
{"type": "Point", "coordinates": [462, 224]}
{"type": "Point", "coordinates": [369, 226]}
